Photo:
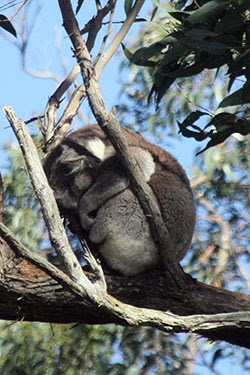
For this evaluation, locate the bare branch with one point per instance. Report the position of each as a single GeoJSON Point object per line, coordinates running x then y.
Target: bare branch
{"type": "Point", "coordinates": [46, 198]}
{"type": "Point", "coordinates": [219, 314]}
{"type": "Point", "coordinates": [92, 27]}
{"type": "Point", "coordinates": [38, 261]}
{"type": "Point", "coordinates": [114, 44]}
{"type": "Point", "coordinates": [58, 305]}
{"type": "Point", "coordinates": [94, 265]}
{"type": "Point", "coordinates": [18, 9]}
{"type": "Point", "coordinates": [95, 23]}
{"type": "Point", "coordinates": [111, 127]}
{"type": "Point", "coordinates": [105, 36]}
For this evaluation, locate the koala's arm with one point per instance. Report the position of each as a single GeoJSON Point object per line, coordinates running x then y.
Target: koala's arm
{"type": "Point", "coordinates": [111, 180]}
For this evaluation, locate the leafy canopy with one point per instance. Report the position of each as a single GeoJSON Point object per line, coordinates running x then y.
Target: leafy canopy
{"type": "Point", "coordinates": [209, 36]}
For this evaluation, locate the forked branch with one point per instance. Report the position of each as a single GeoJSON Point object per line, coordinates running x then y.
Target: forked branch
{"type": "Point", "coordinates": [92, 28]}
{"type": "Point", "coordinates": [57, 234]}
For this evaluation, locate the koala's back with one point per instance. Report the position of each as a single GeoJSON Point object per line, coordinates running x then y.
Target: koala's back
{"type": "Point", "coordinates": [172, 189]}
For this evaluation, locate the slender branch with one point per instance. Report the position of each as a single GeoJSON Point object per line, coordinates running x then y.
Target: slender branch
{"type": "Point", "coordinates": [49, 207]}
{"type": "Point", "coordinates": [96, 22]}
{"type": "Point", "coordinates": [18, 9]}
{"type": "Point", "coordinates": [111, 127]}
{"type": "Point", "coordinates": [105, 36]}
{"type": "Point", "coordinates": [92, 28]}
{"type": "Point", "coordinates": [69, 113]}
{"type": "Point", "coordinates": [114, 44]}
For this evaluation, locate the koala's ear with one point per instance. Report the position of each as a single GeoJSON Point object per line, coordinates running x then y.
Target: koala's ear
{"type": "Point", "coordinates": [145, 161]}
{"type": "Point", "coordinates": [96, 147]}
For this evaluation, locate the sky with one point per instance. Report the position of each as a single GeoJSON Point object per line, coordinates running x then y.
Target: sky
{"type": "Point", "coordinates": [28, 95]}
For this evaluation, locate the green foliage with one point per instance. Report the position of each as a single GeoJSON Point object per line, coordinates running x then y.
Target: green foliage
{"type": "Point", "coordinates": [220, 250]}
{"type": "Point", "coordinates": [45, 349]}
{"type": "Point", "coordinates": [7, 25]}
{"type": "Point", "coordinates": [210, 35]}
{"type": "Point", "coordinates": [40, 348]}
{"type": "Point", "coordinates": [22, 211]}
{"type": "Point", "coordinates": [218, 129]}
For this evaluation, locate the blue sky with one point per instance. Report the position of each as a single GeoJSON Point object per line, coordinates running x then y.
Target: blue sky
{"type": "Point", "coordinates": [28, 95]}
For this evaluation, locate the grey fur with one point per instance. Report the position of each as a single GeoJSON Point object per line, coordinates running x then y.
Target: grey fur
{"type": "Point", "coordinates": [94, 194]}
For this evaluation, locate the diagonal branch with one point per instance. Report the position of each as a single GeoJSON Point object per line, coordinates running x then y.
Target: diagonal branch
{"type": "Point", "coordinates": [92, 28]}
{"type": "Point", "coordinates": [38, 261]}
{"type": "Point", "coordinates": [28, 294]}
{"type": "Point", "coordinates": [49, 207]}
{"type": "Point", "coordinates": [111, 127]}
{"type": "Point", "coordinates": [118, 38]}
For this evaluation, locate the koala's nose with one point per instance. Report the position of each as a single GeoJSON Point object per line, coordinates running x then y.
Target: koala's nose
{"type": "Point", "coordinates": [87, 219]}
{"type": "Point", "coordinates": [92, 215]}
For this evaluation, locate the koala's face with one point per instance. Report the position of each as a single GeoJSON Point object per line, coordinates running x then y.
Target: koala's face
{"type": "Point", "coordinates": [71, 169]}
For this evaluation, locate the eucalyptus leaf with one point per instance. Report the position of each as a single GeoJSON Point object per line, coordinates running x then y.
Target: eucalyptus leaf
{"type": "Point", "coordinates": [234, 99]}
{"type": "Point", "coordinates": [141, 56]}
{"type": "Point", "coordinates": [188, 71]}
{"type": "Point", "coordinates": [199, 134]}
{"type": "Point", "coordinates": [221, 119]}
{"type": "Point", "coordinates": [7, 25]}
{"type": "Point", "coordinates": [180, 16]}
{"type": "Point", "coordinates": [231, 21]}
{"type": "Point", "coordinates": [208, 11]}
{"type": "Point", "coordinates": [178, 50]}
{"type": "Point", "coordinates": [199, 33]}
{"type": "Point", "coordinates": [79, 4]}
{"type": "Point", "coordinates": [216, 48]}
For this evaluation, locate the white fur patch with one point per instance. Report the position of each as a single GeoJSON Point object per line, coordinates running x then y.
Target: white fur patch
{"type": "Point", "coordinates": [146, 163]}
{"type": "Point", "coordinates": [96, 147]}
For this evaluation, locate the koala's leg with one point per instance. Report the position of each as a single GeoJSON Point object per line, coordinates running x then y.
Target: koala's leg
{"type": "Point", "coordinates": [123, 234]}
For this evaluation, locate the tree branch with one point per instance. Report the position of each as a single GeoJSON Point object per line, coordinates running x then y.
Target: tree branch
{"type": "Point", "coordinates": [111, 127]}
{"type": "Point", "coordinates": [27, 293]}
{"type": "Point", "coordinates": [92, 28]}
{"type": "Point", "coordinates": [58, 237]}
{"type": "Point", "coordinates": [38, 261]}
{"type": "Point", "coordinates": [116, 41]}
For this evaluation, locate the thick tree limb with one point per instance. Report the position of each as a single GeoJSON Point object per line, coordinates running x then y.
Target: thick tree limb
{"type": "Point", "coordinates": [27, 293]}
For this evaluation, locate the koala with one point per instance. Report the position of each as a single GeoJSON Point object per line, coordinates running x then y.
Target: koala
{"type": "Point", "coordinates": [93, 192]}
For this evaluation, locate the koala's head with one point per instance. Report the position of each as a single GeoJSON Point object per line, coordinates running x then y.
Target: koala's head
{"type": "Point", "coordinates": [71, 169]}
